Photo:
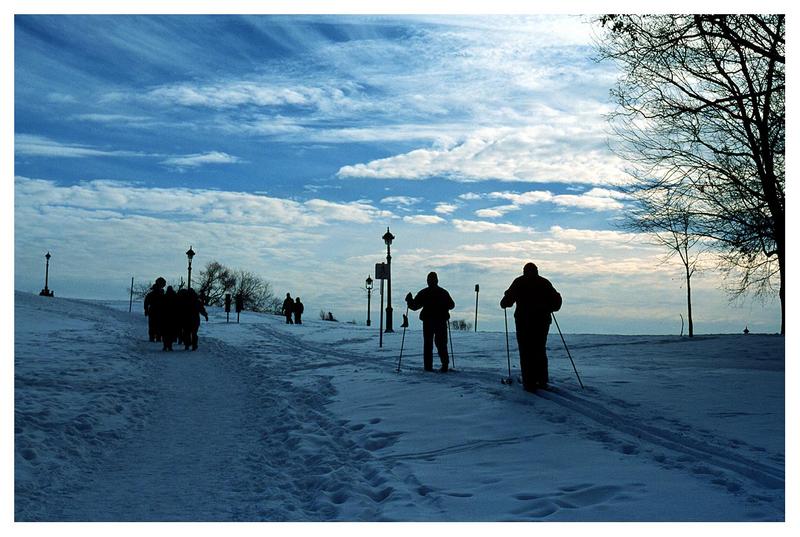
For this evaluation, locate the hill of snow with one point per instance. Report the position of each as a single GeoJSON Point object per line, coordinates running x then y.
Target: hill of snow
{"type": "Point", "coordinates": [276, 422]}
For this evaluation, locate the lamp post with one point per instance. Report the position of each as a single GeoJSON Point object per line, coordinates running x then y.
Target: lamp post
{"type": "Point", "coordinates": [46, 291]}
{"type": "Point", "coordinates": [477, 290]}
{"type": "Point", "coordinates": [190, 255]}
{"type": "Point", "coordinates": [368, 287]}
{"type": "Point", "coordinates": [388, 238]}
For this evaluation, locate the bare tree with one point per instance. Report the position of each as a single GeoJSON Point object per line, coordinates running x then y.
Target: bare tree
{"type": "Point", "coordinates": [256, 292]}
{"type": "Point", "coordinates": [701, 116]}
{"type": "Point", "coordinates": [140, 289]}
{"type": "Point", "coordinates": [215, 281]}
{"type": "Point", "coordinates": [670, 226]}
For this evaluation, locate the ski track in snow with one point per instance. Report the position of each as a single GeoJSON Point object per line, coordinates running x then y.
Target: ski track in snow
{"type": "Point", "coordinates": [687, 442]}
{"type": "Point", "coordinates": [723, 462]}
{"type": "Point", "coordinates": [244, 429]}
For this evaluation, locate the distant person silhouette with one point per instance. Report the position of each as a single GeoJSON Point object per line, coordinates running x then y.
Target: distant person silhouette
{"type": "Point", "coordinates": [169, 318]}
{"type": "Point", "coordinates": [288, 308]}
{"type": "Point", "coordinates": [193, 308]}
{"type": "Point", "coordinates": [536, 300]}
{"type": "Point", "coordinates": [298, 311]}
{"type": "Point", "coordinates": [436, 304]}
{"type": "Point", "coordinates": [152, 308]}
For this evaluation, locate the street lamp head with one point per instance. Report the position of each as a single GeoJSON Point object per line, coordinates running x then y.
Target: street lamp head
{"type": "Point", "coordinates": [190, 254]}
{"type": "Point", "coordinates": [369, 283]}
{"type": "Point", "coordinates": [47, 256]}
{"type": "Point", "coordinates": [388, 237]}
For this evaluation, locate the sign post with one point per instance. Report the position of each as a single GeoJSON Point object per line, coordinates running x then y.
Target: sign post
{"type": "Point", "coordinates": [381, 273]}
{"type": "Point", "coordinates": [239, 305]}
{"type": "Point", "coordinates": [477, 290]}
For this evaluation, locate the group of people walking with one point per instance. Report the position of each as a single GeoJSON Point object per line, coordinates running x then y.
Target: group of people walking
{"type": "Point", "coordinates": [536, 299]}
{"type": "Point", "coordinates": [173, 316]}
{"type": "Point", "coordinates": [292, 308]}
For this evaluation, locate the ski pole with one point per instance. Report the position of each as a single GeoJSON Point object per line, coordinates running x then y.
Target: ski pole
{"type": "Point", "coordinates": [402, 341]}
{"type": "Point", "coordinates": [452, 353]}
{"type": "Point", "coordinates": [508, 349]}
{"type": "Point", "coordinates": [568, 353]}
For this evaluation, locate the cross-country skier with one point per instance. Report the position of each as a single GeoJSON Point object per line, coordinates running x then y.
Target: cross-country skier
{"type": "Point", "coordinates": [436, 304]}
{"type": "Point", "coordinates": [536, 299]}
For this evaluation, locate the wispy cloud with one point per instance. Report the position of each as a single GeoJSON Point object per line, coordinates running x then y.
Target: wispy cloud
{"type": "Point", "coordinates": [543, 246]}
{"type": "Point", "coordinates": [183, 203]}
{"type": "Point", "coordinates": [596, 199]}
{"type": "Point", "coordinates": [480, 226]}
{"type": "Point", "coordinates": [496, 212]}
{"type": "Point", "coordinates": [445, 208]}
{"type": "Point", "coordinates": [194, 161]}
{"type": "Point", "coordinates": [529, 154]}
{"type": "Point", "coordinates": [41, 146]}
{"type": "Point", "coordinates": [401, 200]}
{"type": "Point", "coordinates": [424, 219]}
{"type": "Point", "coordinates": [607, 238]}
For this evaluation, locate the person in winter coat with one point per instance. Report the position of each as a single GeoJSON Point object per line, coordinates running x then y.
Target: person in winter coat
{"type": "Point", "coordinates": [169, 319]}
{"type": "Point", "coordinates": [193, 308]}
{"type": "Point", "coordinates": [298, 311]}
{"type": "Point", "coordinates": [152, 308]}
{"type": "Point", "coordinates": [182, 317]}
{"type": "Point", "coordinates": [288, 308]}
{"type": "Point", "coordinates": [436, 304]}
{"type": "Point", "coordinates": [536, 300]}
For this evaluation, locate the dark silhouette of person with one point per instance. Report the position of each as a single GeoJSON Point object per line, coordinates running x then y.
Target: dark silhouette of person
{"type": "Point", "coordinates": [297, 309]}
{"type": "Point", "coordinates": [193, 308]}
{"type": "Point", "coordinates": [169, 318]}
{"type": "Point", "coordinates": [153, 307]}
{"type": "Point", "coordinates": [436, 304]}
{"type": "Point", "coordinates": [536, 300]}
{"type": "Point", "coordinates": [288, 308]}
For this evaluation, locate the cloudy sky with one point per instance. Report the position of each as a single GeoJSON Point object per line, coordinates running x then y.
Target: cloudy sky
{"type": "Point", "coordinates": [286, 145]}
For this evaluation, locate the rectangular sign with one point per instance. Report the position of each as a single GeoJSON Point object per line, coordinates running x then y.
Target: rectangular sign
{"type": "Point", "coordinates": [381, 271]}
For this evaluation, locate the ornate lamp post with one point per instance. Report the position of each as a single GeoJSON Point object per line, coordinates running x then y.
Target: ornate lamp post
{"type": "Point", "coordinates": [388, 238]}
{"type": "Point", "coordinates": [46, 291]}
{"type": "Point", "coordinates": [190, 255]}
{"type": "Point", "coordinates": [368, 287]}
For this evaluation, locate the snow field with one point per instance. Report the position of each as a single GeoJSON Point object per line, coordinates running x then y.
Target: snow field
{"type": "Point", "coordinates": [268, 421]}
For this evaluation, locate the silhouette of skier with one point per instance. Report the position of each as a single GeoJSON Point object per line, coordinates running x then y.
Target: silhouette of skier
{"type": "Point", "coordinates": [153, 303]}
{"type": "Point", "coordinates": [536, 299]}
{"type": "Point", "coordinates": [298, 308]}
{"type": "Point", "coordinates": [288, 308]}
{"type": "Point", "coordinates": [436, 304]}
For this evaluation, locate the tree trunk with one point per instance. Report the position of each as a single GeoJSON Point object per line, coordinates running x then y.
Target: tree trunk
{"type": "Point", "coordinates": [689, 300]}
{"type": "Point", "coordinates": [782, 293]}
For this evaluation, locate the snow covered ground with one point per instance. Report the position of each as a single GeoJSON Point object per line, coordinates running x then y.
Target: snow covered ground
{"type": "Point", "coordinates": [275, 422]}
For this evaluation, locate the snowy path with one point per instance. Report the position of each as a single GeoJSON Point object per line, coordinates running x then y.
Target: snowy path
{"type": "Point", "coordinates": [306, 423]}
{"type": "Point", "coordinates": [186, 461]}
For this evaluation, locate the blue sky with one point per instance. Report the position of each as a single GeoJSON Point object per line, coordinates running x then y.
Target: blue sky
{"type": "Point", "coordinates": [286, 144]}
